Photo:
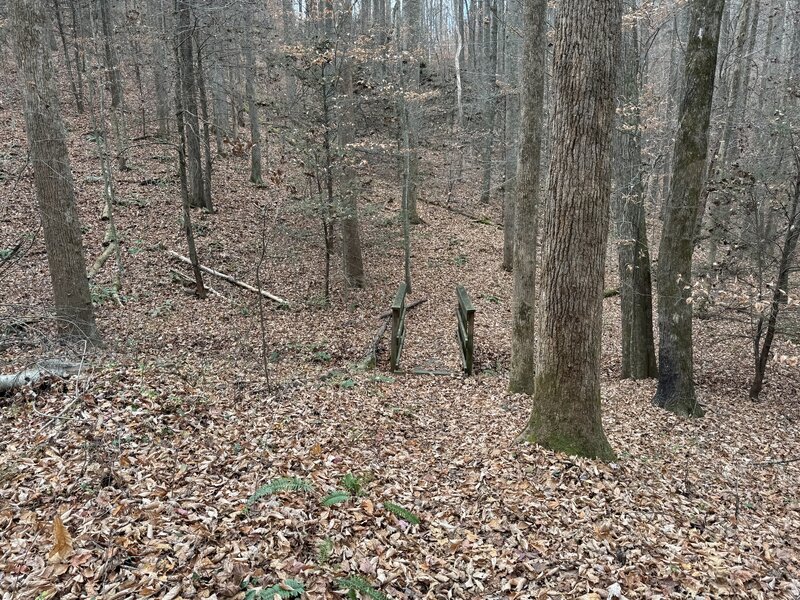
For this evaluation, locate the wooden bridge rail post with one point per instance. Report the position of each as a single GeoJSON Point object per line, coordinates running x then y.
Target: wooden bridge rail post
{"type": "Point", "coordinates": [465, 313]}
{"type": "Point", "coordinates": [398, 326]}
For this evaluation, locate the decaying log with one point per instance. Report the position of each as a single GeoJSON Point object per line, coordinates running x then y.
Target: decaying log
{"type": "Point", "coordinates": [12, 381]}
{"type": "Point", "coordinates": [229, 279]}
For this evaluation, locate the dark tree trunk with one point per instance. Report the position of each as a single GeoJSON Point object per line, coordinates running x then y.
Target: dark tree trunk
{"type": "Point", "coordinates": [638, 350]}
{"type": "Point", "coordinates": [188, 84]}
{"type": "Point", "coordinates": [675, 357]}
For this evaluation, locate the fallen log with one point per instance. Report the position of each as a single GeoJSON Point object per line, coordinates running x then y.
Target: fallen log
{"type": "Point", "coordinates": [229, 279]}
{"type": "Point", "coordinates": [22, 378]}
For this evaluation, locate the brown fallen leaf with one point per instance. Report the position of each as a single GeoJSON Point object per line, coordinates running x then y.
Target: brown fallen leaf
{"type": "Point", "coordinates": [62, 547]}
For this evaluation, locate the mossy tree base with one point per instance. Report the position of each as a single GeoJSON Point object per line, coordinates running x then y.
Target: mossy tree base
{"type": "Point", "coordinates": [575, 442]}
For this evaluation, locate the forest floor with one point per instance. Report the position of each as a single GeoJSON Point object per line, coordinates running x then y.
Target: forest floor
{"type": "Point", "coordinates": [149, 456]}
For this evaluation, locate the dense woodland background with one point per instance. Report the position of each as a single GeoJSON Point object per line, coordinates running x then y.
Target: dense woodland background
{"type": "Point", "coordinates": [167, 433]}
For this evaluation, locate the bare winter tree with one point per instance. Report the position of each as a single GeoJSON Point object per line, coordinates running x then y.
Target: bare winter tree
{"type": "Point", "coordinates": [638, 350]}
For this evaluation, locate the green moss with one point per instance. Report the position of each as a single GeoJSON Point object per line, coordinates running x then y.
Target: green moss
{"type": "Point", "coordinates": [568, 431]}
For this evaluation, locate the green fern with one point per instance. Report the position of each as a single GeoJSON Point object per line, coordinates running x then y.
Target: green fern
{"type": "Point", "coordinates": [291, 588]}
{"type": "Point", "coordinates": [336, 497]}
{"type": "Point", "coordinates": [324, 551]}
{"type": "Point", "coordinates": [353, 484]}
{"type": "Point", "coordinates": [401, 512]}
{"type": "Point", "coordinates": [358, 584]}
{"type": "Point", "coordinates": [282, 484]}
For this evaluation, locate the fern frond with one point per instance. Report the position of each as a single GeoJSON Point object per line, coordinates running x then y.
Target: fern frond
{"type": "Point", "coordinates": [282, 484]}
{"type": "Point", "coordinates": [401, 512]}
{"type": "Point", "coordinates": [359, 584]}
{"type": "Point", "coordinates": [336, 497]}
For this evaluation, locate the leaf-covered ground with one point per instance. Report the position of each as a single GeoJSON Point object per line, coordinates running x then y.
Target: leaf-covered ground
{"type": "Point", "coordinates": [150, 456]}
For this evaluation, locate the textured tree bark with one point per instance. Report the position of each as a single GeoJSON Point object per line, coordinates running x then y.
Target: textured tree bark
{"type": "Point", "coordinates": [252, 107]}
{"type": "Point", "coordinates": [566, 401]}
{"type": "Point", "coordinates": [490, 107]}
{"type": "Point", "coordinates": [526, 226]}
{"type": "Point", "coordinates": [51, 171]}
{"type": "Point", "coordinates": [191, 123]}
{"type": "Point", "coordinates": [511, 60]}
{"type": "Point", "coordinates": [675, 390]}
{"type": "Point", "coordinates": [160, 79]}
{"type": "Point", "coordinates": [201, 88]}
{"type": "Point", "coordinates": [638, 350]}
{"type": "Point", "coordinates": [115, 83]}
{"type": "Point", "coordinates": [412, 16]}
{"type": "Point", "coordinates": [352, 261]}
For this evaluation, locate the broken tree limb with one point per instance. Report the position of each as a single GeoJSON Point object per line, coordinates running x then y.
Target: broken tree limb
{"type": "Point", "coordinates": [388, 313]}
{"type": "Point", "coordinates": [12, 381]}
{"type": "Point", "coordinates": [229, 279]}
{"type": "Point", "coordinates": [190, 281]}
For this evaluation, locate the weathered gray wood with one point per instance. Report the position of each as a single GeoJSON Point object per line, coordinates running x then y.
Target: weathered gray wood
{"type": "Point", "coordinates": [398, 326]}
{"type": "Point", "coordinates": [466, 328]}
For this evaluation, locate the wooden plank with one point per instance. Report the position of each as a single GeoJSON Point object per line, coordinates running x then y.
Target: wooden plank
{"type": "Point", "coordinates": [398, 326]}
{"type": "Point", "coordinates": [465, 315]}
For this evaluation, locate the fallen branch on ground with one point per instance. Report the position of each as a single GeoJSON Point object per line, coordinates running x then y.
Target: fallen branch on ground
{"type": "Point", "coordinates": [388, 313]}
{"type": "Point", "coordinates": [483, 220]}
{"type": "Point", "coordinates": [229, 279]}
{"type": "Point", "coordinates": [12, 381]}
{"type": "Point", "coordinates": [191, 281]}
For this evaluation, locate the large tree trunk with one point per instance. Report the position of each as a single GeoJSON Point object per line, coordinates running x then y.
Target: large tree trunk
{"type": "Point", "coordinates": [527, 191]}
{"type": "Point", "coordinates": [201, 88]}
{"type": "Point", "coordinates": [675, 358]}
{"type": "Point", "coordinates": [566, 402]}
{"type": "Point", "coordinates": [191, 123]}
{"type": "Point", "coordinates": [51, 170]}
{"type": "Point", "coordinates": [348, 188]}
{"type": "Point", "coordinates": [638, 350]}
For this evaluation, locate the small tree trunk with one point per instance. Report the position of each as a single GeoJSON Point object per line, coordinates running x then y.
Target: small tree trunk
{"type": "Point", "coordinates": [490, 107]}
{"type": "Point", "coordinates": [511, 58]}
{"type": "Point", "coordinates": [115, 83]}
{"type": "Point", "coordinates": [67, 60]}
{"type": "Point", "coordinates": [526, 224]}
{"type": "Point", "coordinates": [348, 192]}
{"type": "Point", "coordinates": [638, 350]}
{"type": "Point", "coordinates": [186, 206]}
{"type": "Point", "coordinates": [191, 123]}
{"type": "Point", "coordinates": [252, 108]}
{"type": "Point", "coordinates": [201, 85]}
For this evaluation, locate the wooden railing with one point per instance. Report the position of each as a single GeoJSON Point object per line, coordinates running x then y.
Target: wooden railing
{"type": "Point", "coordinates": [398, 326]}
{"type": "Point", "coordinates": [465, 313]}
